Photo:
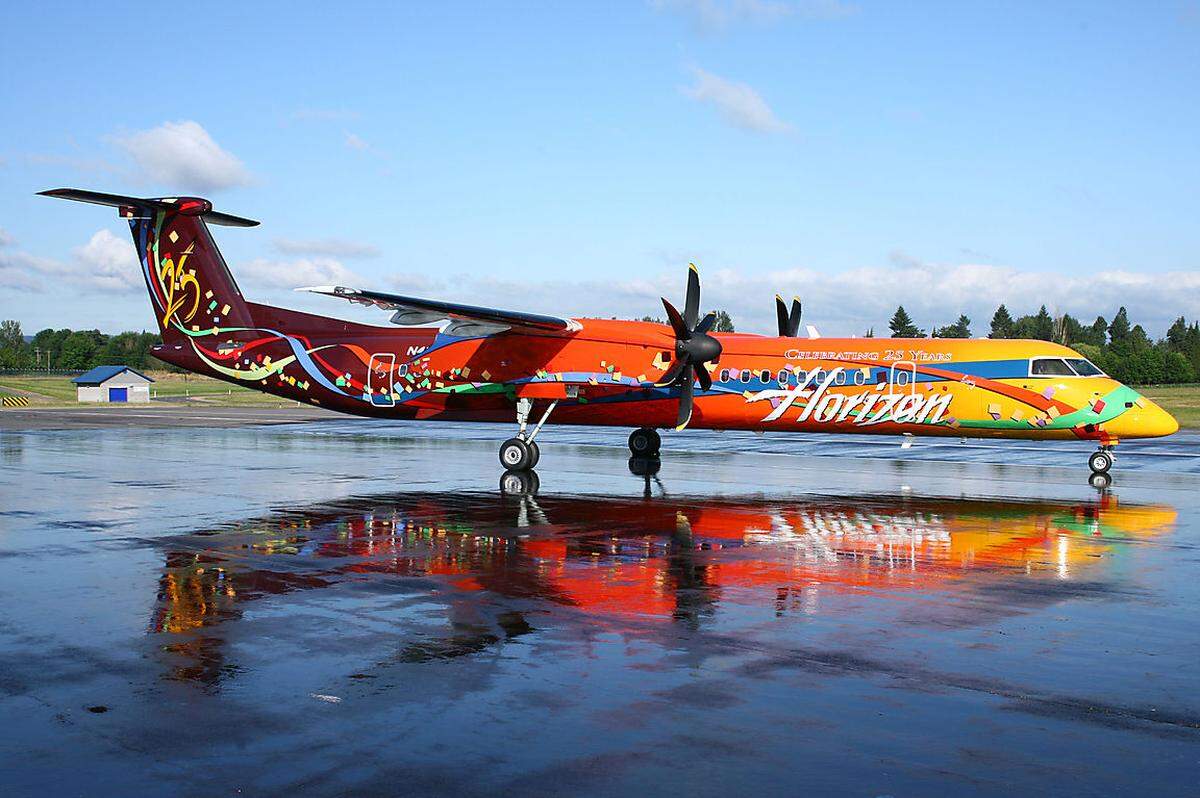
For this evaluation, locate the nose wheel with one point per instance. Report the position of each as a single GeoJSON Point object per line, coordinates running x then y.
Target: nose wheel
{"type": "Point", "coordinates": [1101, 461]}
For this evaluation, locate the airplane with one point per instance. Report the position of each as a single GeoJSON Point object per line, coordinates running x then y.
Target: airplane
{"type": "Point", "coordinates": [487, 364]}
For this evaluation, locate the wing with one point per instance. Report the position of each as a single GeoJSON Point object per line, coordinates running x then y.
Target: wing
{"type": "Point", "coordinates": [467, 319]}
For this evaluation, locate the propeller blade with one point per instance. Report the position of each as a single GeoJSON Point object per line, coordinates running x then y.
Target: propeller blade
{"type": "Point", "coordinates": [704, 377]}
{"type": "Point", "coordinates": [706, 323]}
{"type": "Point", "coordinates": [672, 374]}
{"type": "Point", "coordinates": [691, 304]}
{"type": "Point", "coordinates": [781, 317]}
{"type": "Point", "coordinates": [682, 331]}
{"type": "Point", "coordinates": [794, 318]}
{"type": "Point", "coordinates": [685, 405]}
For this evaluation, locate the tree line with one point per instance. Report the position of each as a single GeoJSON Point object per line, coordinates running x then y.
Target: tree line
{"type": "Point", "coordinates": [1122, 350]}
{"type": "Point", "coordinates": [76, 349]}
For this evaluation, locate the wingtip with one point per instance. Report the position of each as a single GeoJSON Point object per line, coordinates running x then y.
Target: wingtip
{"type": "Point", "coordinates": [692, 266]}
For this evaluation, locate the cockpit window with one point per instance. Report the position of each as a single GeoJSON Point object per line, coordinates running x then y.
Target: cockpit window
{"type": "Point", "coordinates": [1050, 367]}
{"type": "Point", "coordinates": [1084, 368]}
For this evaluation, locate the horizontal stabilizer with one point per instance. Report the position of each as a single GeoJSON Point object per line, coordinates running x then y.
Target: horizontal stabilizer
{"type": "Point", "coordinates": [418, 311]}
{"type": "Point", "coordinates": [190, 206]}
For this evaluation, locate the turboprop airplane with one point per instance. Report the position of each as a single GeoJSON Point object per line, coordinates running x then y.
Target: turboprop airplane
{"type": "Point", "coordinates": [485, 364]}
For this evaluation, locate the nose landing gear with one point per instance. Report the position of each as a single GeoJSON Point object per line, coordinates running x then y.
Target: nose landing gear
{"type": "Point", "coordinates": [1101, 460]}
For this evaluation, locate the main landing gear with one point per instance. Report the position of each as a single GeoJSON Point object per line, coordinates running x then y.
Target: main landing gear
{"type": "Point", "coordinates": [644, 442]}
{"type": "Point", "coordinates": [521, 453]}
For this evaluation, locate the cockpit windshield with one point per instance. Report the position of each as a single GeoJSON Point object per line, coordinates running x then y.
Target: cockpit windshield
{"type": "Point", "coordinates": [1084, 368]}
{"type": "Point", "coordinates": [1063, 367]}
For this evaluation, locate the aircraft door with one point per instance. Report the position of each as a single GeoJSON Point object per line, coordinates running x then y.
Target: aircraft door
{"type": "Point", "coordinates": [380, 373]}
{"type": "Point", "coordinates": [902, 378]}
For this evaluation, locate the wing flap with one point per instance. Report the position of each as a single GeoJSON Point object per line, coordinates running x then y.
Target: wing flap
{"type": "Point", "coordinates": [409, 309]}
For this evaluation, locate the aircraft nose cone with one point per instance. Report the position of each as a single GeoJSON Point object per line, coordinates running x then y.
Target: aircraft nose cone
{"type": "Point", "coordinates": [1148, 421]}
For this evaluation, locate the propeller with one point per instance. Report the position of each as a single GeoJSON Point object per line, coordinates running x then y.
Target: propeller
{"type": "Point", "coordinates": [693, 347]}
{"type": "Point", "coordinates": [789, 323]}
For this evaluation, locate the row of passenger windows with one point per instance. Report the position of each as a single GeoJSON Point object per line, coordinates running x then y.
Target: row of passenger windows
{"type": "Point", "coordinates": [787, 376]}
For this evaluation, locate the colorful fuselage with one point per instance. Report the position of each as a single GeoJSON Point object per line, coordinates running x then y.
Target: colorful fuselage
{"type": "Point", "coordinates": [605, 371]}
{"type": "Point", "coordinates": [605, 374]}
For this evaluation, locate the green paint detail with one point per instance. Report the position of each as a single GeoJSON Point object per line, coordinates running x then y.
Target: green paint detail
{"type": "Point", "coordinates": [477, 388]}
{"type": "Point", "coordinates": [1114, 405]}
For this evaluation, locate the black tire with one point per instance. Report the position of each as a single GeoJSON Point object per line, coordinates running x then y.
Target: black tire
{"type": "Point", "coordinates": [535, 453]}
{"type": "Point", "coordinates": [1100, 462]}
{"type": "Point", "coordinates": [519, 483]}
{"type": "Point", "coordinates": [644, 442]}
{"type": "Point", "coordinates": [515, 455]}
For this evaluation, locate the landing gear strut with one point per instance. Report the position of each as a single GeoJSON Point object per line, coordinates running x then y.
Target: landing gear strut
{"type": "Point", "coordinates": [644, 442]}
{"type": "Point", "coordinates": [521, 453]}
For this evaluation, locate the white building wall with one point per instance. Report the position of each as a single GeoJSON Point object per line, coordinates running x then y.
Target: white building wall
{"type": "Point", "coordinates": [139, 389]}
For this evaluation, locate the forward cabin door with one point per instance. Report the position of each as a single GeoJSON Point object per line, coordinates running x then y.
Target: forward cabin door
{"type": "Point", "coordinates": [902, 378]}
{"type": "Point", "coordinates": [380, 374]}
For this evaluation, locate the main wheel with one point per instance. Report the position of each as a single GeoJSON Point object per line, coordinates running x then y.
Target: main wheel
{"type": "Point", "coordinates": [1100, 462]}
{"type": "Point", "coordinates": [515, 455]}
{"type": "Point", "coordinates": [535, 453]}
{"type": "Point", "coordinates": [644, 442]}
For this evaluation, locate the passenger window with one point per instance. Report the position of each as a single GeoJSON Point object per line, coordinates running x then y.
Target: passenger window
{"type": "Point", "coordinates": [724, 375]}
{"type": "Point", "coordinates": [1050, 367]}
{"type": "Point", "coordinates": [745, 375]}
{"type": "Point", "coordinates": [801, 377]}
{"type": "Point", "coordinates": [783, 375]}
{"type": "Point", "coordinates": [765, 376]}
{"type": "Point", "coordinates": [1084, 368]}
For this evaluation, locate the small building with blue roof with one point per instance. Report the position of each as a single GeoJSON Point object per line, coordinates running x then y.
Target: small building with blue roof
{"type": "Point", "coordinates": [113, 384]}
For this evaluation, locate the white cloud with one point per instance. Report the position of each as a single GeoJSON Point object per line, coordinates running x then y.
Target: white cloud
{"type": "Point", "coordinates": [184, 156]}
{"type": "Point", "coordinates": [296, 273]}
{"type": "Point", "coordinates": [5, 238]}
{"type": "Point", "coordinates": [738, 103]}
{"type": "Point", "coordinates": [331, 247]}
{"type": "Point", "coordinates": [721, 14]}
{"type": "Point", "coordinates": [107, 263]}
{"type": "Point", "coordinates": [849, 302]}
{"type": "Point", "coordinates": [356, 142]}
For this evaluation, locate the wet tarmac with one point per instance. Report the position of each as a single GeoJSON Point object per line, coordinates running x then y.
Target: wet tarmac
{"type": "Point", "coordinates": [355, 607]}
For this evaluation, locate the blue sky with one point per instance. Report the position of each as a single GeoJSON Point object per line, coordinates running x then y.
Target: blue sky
{"type": "Point", "coordinates": [571, 158]}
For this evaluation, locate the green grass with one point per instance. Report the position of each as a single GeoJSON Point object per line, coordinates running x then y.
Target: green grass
{"type": "Point", "coordinates": [58, 390]}
{"type": "Point", "coordinates": [1181, 401]}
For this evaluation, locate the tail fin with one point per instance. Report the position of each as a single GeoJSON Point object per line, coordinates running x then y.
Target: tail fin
{"type": "Point", "coordinates": [190, 285]}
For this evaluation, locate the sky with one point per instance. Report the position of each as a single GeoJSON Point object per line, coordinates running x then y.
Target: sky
{"type": "Point", "coordinates": [571, 158]}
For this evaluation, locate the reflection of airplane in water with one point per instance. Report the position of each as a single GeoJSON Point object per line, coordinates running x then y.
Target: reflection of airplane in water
{"type": "Point", "coordinates": [627, 564]}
